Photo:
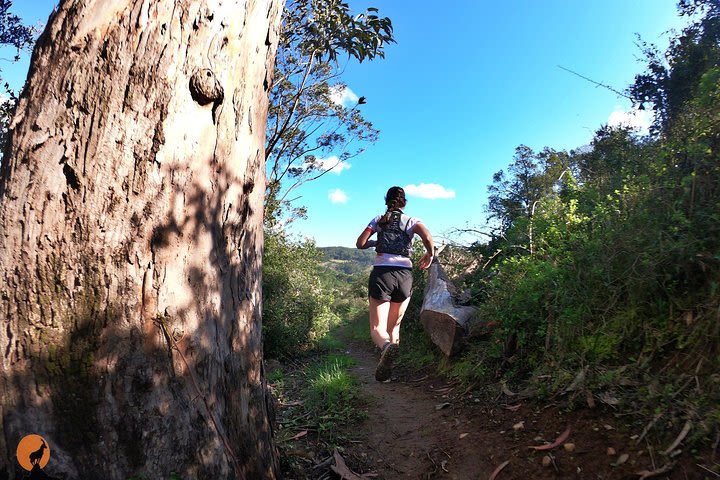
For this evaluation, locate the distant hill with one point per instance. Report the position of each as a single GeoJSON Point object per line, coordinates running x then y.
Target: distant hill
{"type": "Point", "coordinates": [346, 253]}
{"type": "Point", "coordinates": [349, 261]}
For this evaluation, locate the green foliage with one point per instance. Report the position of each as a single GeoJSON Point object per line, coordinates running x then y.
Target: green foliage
{"type": "Point", "coordinates": [330, 381]}
{"type": "Point", "coordinates": [310, 131]}
{"type": "Point", "coordinates": [473, 367]}
{"type": "Point", "coordinates": [532, 176]}
{"type": "Point", "coordinates": [351, 264]}
{"type": "Point", "coordinates": [326, 28]}
{"type": "Point", "coordinates": [305, 298]}
{"type": "Point", "coordinates": [12, 31]}
{"type": "Point", "coordinates": [672, 77]}
{"type": "Point", "coordinates": [15, 34]}
{"type": "Point", "coordinates": [607, 260]}
{"type": "Point", "coordinates": [363, 257]}
{"type": "Point", "coordinates": [416, 350]}
{"type": "Point", "coordinates": [275, 376]}
{"type": "Point", "coordinates": [330, 342]}
{"type": "Point", "coordinates": [327, 399]}
{"type": "Point", "coordinates": [332, 395]}
{"type": "Point", "coordinates": [297, 302]}
{"type": "Point", "coordinates": [359, 326]}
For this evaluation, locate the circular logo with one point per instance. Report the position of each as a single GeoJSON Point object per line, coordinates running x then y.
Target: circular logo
{"type": "Point", "coordinates": [33, 450]}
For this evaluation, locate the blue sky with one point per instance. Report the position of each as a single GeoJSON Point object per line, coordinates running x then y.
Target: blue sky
{"type": "Point", "coordinates": [467, 82]}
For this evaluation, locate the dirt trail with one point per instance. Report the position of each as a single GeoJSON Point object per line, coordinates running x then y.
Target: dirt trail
{"type": "Point", "coordinates": [419, 427]}
{"type": "Point", "coordinates": [411, 430]}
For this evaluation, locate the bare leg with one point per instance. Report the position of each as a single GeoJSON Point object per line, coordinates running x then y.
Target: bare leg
{"type": "Point", "coordinates": [395, 316]}
{"type": "Point", "coordinates": [379, 310]}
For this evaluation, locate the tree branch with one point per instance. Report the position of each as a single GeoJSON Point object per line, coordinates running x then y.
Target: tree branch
{"type": "Point", "coordinates": [599, 84]}
{"type": "Point", "coordinates": [271, 146]}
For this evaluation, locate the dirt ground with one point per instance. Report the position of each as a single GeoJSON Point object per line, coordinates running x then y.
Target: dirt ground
{"type": "Point", "coordinates": [420, 427]}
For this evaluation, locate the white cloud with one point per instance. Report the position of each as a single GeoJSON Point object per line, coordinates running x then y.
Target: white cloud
{"type": "Point", "coordinates": [338, 196]}
{"type": "Point", "coordinates": [342, 95]}
{"type": "Point", "coordinates": [429, 190]}
{"type": "Point", "coordinates": [332, 163]}
{"type": "Point", "coordinates": [636, 119]}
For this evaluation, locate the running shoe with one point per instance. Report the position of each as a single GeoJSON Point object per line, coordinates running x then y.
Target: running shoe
{"type": "Point", "coordinates": [387, 357]}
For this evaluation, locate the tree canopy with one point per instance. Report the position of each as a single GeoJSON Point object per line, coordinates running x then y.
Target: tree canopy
{"type": "Point", "coordinates": [314, 123]}
{"type": "Point", "coordinates": [13, 33]}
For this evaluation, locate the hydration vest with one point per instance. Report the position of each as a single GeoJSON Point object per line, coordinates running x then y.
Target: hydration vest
{"type": "Point", "coordinates": [393, 238]}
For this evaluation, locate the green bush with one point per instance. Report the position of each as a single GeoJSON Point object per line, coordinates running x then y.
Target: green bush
{"type": "Point", "coordinates": [297, 300]}
{"type": "Point", "coordinates": [607, 261]}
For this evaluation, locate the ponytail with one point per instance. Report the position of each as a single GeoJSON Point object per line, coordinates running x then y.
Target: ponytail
{"type": "Point", "coordinates": [395, 200]}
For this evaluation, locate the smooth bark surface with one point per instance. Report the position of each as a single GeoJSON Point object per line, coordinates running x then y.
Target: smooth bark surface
{"type": "Point", "coordinates": [131, 239]}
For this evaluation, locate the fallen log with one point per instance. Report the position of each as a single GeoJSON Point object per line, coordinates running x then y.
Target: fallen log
{"type": "Point", "coordinates": [445, 322]}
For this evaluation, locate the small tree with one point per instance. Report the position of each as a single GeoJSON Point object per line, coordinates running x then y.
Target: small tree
{"type": "Point", "coordinates": [512, 197]}
{"type": "Point", "coordinates": [310, 129]}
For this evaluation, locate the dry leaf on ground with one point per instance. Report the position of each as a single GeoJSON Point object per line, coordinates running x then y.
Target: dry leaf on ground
{"type": "Point", "coordinates": [495, 472]}
{"type": "Point", "coordinates": [563, 436]}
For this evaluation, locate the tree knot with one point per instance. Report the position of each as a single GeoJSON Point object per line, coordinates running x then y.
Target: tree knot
{"type": "Point", "coordinates": [205, 87]}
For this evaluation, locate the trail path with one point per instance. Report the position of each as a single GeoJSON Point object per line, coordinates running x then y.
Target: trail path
{"type": "Point", "coordinates": [419, 427]}
{"type": "Point", "coordinates": [412, 430]}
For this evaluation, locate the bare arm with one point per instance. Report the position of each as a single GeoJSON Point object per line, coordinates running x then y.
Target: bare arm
{"type": "Point", "coordinates": [363, 241]}
{"type": "Point", "coordinates": [427, 240]}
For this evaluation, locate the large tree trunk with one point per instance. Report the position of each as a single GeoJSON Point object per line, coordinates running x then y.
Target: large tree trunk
{"type": "Point", "coordinates": [131, 201]}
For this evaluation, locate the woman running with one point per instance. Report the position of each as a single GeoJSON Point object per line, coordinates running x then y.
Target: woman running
{"type": "Point", "coordinates": [390, 283]}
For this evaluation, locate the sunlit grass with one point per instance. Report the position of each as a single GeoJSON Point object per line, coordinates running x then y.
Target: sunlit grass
{"type": "Point", "coordinates": [323, 400]}
{"type": "Point", "coordinates": [332, 395]}
{"type": "Point", "coordinates": [330, 382]}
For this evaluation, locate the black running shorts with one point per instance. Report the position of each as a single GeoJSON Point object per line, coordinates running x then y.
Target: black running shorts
{"type": "Point", "coordinates": [392, 284]}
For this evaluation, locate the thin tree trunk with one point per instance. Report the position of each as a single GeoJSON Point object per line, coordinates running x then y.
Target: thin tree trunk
{"type": "Point", "coordinates": [131, 203]}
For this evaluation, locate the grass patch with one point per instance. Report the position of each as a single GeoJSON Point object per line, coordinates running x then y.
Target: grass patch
{"type": "Point", "coordinates": [330, 342]}
{"type": "Point", "coordinates": [352, 326]}
{"type": "Point", "coordinates": [330, 384]}
{"type": "Point", "coordinates": [359, 327]}
{"type": "Point", "coordinates": [319, 401]}
{"type": "Point", "coordinates": [332, 397]}
{"type": "Point", "coordinates": [471, 368]}
{"type": "Point", "coordinates": [276, 376]}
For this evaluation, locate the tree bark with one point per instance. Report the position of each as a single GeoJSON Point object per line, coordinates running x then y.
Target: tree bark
{"type": "Point", "coordinates": [131, 202]}
{"type": "Point", "coordinates": [444, 320]}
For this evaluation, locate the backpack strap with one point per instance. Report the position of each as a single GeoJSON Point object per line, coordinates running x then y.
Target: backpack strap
{"type": "Point", "coordinates": [400, 224]}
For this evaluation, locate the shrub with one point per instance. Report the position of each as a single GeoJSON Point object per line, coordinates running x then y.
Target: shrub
{"type": "Point", "coordinates": [297, 303]}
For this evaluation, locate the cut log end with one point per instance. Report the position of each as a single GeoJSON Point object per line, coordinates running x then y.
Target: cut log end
{"type": "Point", "coordinates": [444, 331]}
